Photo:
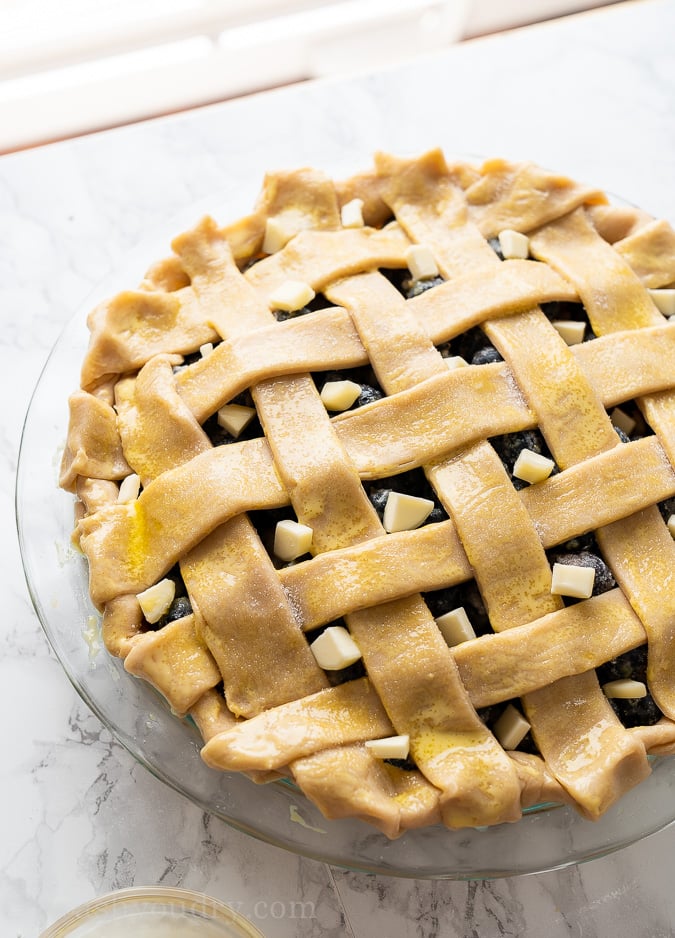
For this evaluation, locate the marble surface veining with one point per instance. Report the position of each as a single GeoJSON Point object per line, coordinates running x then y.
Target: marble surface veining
{"type": "Point", "coordinates": [593, 96]}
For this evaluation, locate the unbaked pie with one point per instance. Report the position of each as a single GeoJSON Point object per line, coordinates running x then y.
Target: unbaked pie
{"type": "Point", "coordinates": [376, 487]}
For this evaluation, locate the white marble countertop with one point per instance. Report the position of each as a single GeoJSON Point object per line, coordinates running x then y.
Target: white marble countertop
{"type": "Point", "coordinates": [592, 96]}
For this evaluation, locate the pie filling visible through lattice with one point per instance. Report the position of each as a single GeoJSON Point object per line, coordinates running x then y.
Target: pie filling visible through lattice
{"type": "Point", "coordinates": [376, 486]}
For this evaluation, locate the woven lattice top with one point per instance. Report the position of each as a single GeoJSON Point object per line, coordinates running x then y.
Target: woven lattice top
{"type": "Point", "coordinates": [531, 319]}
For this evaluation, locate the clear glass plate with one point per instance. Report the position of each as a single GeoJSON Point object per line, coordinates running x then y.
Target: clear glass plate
{"type": "Point", "coordinates": [546, 838]}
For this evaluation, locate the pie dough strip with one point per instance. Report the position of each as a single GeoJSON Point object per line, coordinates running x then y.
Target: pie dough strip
{"type": "Point", "coordinates": [650, 252]}
{"type": "Point", "coordinates": [628, 546]}
{"type": "Point", "coordinates": [600, 491]}
{"type": "Point", "coordinates": [495, 667]}
{"type": "Point", "coordinates": [93, 447]}
{"type": "Point", "coordinates": [320, 341]}
{"type": "Point", "coordinates": [348, 713]}
{"type": "Point", "coordinates": [327, 339]}
{"type": "Point", "coordinates": [523, 196]}
{"type": "Point", "coordinates": [130, 546]}
{"type": "Point", "coordinates": [319, 257]}
{"type": "Point", "coordinates": [456, 245]}
{"type": "Point", "coordinates": [175, 662]}
{"type": "Point", "coordinates": [613, 296]}
{"type": "Point", "coordinates": [131, 327]}
{"type": "Point", "coordinates": [438, 415]}
{"type": "Point", "coordinates": [158, 431]}
{"type": "Point", "coordinates": [247, 638]}
{"type": "Point", "coordinates": [392, 799]}
{"type": "Point", "coordinates": [333, 584]}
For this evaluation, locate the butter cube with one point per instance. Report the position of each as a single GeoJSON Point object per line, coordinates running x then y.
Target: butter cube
{"type": "Point", "coordinates": [623, 421]}
{"type": "Point", "coordinates": [335, 649]}
{"type": "Point", "coordinates": [156, 600]}
{"type": "Point", "coordinates": [455, 627]}
{"type": "Point", "coordinates": [421, 262]}
{"type": "Point", "coordinates": [625, 689]}
{"type": "Point", "coordinates": [511, 728]}
{"type": "Point", "coordinates": [392, 747]}
{"type": "Point", "coordinates": [340, 395]}
{"type": "Point", "coordinates": [532, 467]}
{"type": "Point", "coordinates": [291, 295]}
{"type": "Point", "coordinates": [569, 580]}
{"type": "Point", "coordinates": [456, 361]}
{"type": "Point", "coordinates": [234, 418]}
{"type": "Point", "coordinates": [571, 330]}
{"type": "Point", "coordinates": [129, 489]}
{"type": "Point", "coordinates": [277, 235]}
{"type": "Point", "coordinates": [351, 214]}
{"type": "Point", "coordinates": [291, 539]}
{"type": "Point", "coordinates": [513, 244]}
{"type": "Point", "coordinates": [405, 512]}
{"type": "Point", "coordinates": [664, 300]}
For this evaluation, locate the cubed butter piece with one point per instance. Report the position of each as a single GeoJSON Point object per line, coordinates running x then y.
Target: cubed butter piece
{"type": "Point", "coordinates": [664, 300]}
{"type": "Point", "coordinates": [570, 580]}
{"type": "Point", "coordinates": [335, 649]}
{"type": "Point", "coordinates": [129, 488]}
{"type": "Point", "coordinates": [277, 235]}
{"type": "Point", "coordinates": [404, 512]}
{"type": "Point", "coordinates": [625, 689]}
{"type": "Point", "coordinates": [351, 214]}
{"type": "Point", "coordinates": [392, 747]}
{"type": "Point", "coordinates": [455, 626]}
{"type": "Point", "coordinates": [291, 539]}
{"type": "Point", "coordinates": [571, 330]}
{"type": "Point", "coordinates": [513, 244]}
{"type": "Point", "coordinates": [623, 421]}
{"type": "Point", "coordinates": [511, 728]}
{"type": "Point", "coordinates": [206, 349]}
{"type": "Point", "coordinates": [291, 295]}
{"type": "Point", "coordinates": [532, 467]}
{"type": "Point", "coordinates": [421, 262]}
{"type": "Point", "coordinates": [340, 395]}
{"type": "Point", "coordinates": [456, 361]}
{"type": "Point", "coordinates": [234, 418]}
{"type": "Point", "coordinates": [157, 599]}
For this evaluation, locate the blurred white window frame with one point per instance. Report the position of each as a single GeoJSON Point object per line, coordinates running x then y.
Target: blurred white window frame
{"type": "Point", "coordinates": [79, 65]}
{"type": "Point", "coordinates": [76, 66]}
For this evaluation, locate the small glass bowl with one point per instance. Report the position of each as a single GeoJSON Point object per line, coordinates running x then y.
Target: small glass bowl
{"type": "Point", "coordinates": [153, 913]}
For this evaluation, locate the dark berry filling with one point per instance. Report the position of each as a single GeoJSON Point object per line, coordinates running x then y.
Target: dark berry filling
{"type": "Point", "coordinates": [638, 711]}
{"type": "Point", "coordinates": [414, 483]}
{"type": "Point", "coordinates": [510, 445]}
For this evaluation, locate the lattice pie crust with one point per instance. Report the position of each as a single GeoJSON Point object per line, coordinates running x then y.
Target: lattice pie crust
{"type": "Point", "coordinates": [231, 646]}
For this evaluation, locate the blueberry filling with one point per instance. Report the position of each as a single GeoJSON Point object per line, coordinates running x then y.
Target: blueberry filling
{"type": "Point", "coordinates": [413, 483]}
{"type": "Point", "coordinates": [604, 580]}
{"type": "Point", "coordinates": [496, 247]}
{"type": "Point", "coordinates": [180, 606]}
{"type": "Point", "coordinates": [365, 376]}
{"type": "Point", "coordinates": [637, 711]}
{"type": "Point", "coordinates": [466, 595]}
{"type": "Point", "coordinates": [565, 311]}
{"type": "Point", "coordinates": [219, 436]}
{"type": "Point", "coordinates": [413, 288]}
{"type": "Point", "coordinates": [510, 445]}
{"type": "Point", "coordinates": [474, 344]}
{"type": "Point", "coordinates": [343, 675]}
{"type": "Point", "coordinates": [319, 302]}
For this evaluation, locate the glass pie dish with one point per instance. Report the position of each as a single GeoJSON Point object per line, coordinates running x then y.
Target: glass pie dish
{"type": "Point", "coordinates": [547, 837]}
